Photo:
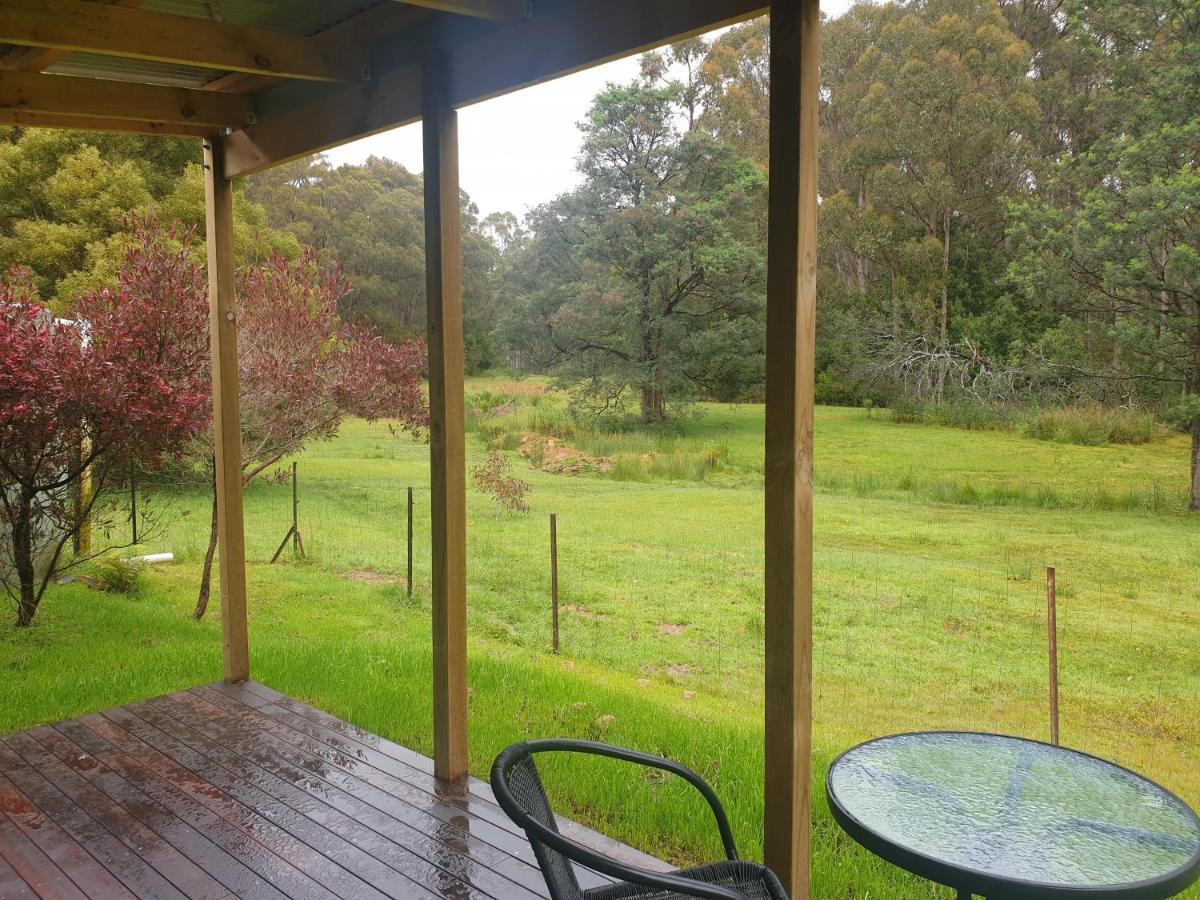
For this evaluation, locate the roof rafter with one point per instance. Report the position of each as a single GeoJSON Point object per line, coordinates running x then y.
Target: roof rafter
{"type": "Point", "coordinates": [94, 98]}
{"type": "Point", "coordinates": [93, 123]}
{"type": "Point", "coordinates": [496, 10]}
{"type": "Point", "coordinates": [72, 25]}
{"type": "Point", "coordinates": [569, 38]}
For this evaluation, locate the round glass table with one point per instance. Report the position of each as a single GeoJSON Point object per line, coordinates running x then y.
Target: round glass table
{"type": "Point", "coordinates": [1006, 817]}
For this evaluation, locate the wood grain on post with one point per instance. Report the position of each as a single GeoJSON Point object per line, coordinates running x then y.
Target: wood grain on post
{"type": "Point", "coordinates": [447, 434]}
{"type": "Point", "coordinates": [791, 317]}
{"type": "Point", "coordinates": [227, 428]}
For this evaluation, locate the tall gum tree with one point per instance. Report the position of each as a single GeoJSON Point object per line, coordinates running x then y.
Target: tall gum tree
{"type": "Point", "coordinates": [660, 244]}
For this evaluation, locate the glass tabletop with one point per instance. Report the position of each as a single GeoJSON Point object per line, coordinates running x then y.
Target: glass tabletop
{"type": "Point", "coordinates": [1004, 809]}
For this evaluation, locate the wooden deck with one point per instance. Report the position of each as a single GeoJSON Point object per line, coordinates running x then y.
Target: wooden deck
{"type": "Point", "coordinates": [242, 792]}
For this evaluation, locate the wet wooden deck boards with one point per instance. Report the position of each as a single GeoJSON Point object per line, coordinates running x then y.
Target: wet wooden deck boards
{"type": "Point", "coordinates": [242, 792]}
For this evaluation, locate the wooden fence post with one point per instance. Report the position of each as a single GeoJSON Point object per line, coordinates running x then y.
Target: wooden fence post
{"type": "Point", "coordinates": [1052, 637]}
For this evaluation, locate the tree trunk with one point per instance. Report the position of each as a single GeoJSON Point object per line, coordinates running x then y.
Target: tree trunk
{"type": "Point", "coordinates": [652, 403]}
{"type": "Point", "coordinates": [206, 573]}
{"type": "Point", "coordinates": [1195, 493]}
{"type": "Point", "coordinates": [895, 305]}
{"type": "Point", "coordinates": [945, 276]}
{"type": "Point", "coordinates": [860, 261]}
{"type": "Point", "coordinates": [22, 551]}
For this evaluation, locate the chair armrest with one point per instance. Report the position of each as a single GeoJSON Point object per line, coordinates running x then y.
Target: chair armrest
{"type": "Point", "coordinates": [596, 748]}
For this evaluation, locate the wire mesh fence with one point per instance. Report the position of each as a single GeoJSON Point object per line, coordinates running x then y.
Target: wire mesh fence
{"type": "Point", "coordinates": [902, 641]}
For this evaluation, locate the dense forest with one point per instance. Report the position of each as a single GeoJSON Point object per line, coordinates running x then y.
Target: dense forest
{"type": "Point", "coordinates": [1009, 195]}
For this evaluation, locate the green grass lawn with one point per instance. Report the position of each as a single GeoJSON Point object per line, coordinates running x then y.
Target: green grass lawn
{"type": "Point", "coordinates": [931, 545]}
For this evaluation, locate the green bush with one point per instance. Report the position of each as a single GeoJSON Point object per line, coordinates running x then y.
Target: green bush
{"type": "Point", "coordinates": [485, 403]}
{"type": "Point", "coordinates": [953, 414]}
{"type": "Point", "coordinates": [113, 575]}
{"type": "Point", "coordinates": [1091, 426]}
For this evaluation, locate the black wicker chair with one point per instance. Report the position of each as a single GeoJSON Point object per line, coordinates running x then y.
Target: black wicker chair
{"type": "Point", "coordinates": [519, 791]}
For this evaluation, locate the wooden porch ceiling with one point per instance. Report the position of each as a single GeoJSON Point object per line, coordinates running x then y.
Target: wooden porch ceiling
{"type": "Point", "coordinates": [279, 89]}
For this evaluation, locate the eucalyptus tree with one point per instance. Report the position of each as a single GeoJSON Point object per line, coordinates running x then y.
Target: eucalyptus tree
{"type": "Point", "coordinates": [1114, 230]}
{"type": "Point", "coordinates": [661, 246]}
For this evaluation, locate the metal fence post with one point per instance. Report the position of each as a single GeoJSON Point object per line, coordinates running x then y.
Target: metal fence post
{"type": "Point", "coordinates": [133, 501]}
{"type": "Point", "coordinates": [554, 578]}
{"type": "Point", "coordinates": [410, 543]}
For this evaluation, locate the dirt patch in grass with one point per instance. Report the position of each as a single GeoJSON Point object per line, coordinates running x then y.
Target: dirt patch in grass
{"type": "Point", "coordinates": [674, 671]}
{"type": "Point", "coordinates": [671, 628]}
{"type": "Point", "coordinates": [369, 576]}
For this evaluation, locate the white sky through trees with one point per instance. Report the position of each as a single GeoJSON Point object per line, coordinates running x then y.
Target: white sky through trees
{"type": "Point", "coordinates": [518, 150]}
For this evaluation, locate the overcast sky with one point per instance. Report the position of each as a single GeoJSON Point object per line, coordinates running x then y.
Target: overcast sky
{"type": "Point", "coordinates": [518, 150]}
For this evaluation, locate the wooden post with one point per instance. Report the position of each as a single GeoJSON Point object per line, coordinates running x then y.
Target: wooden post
{"type": "Point", "coordinates": [410, 542]}
{"type": "Point", "coordinates": [1052, 637]}
{"type": "Point", "coordinates": [447, 437]}
{"type": "Point", "coordinates": [227, 429]}
{"type": "Point", "coordinates": [554, 580]}
{"type": "Point", "coordinates": [791, 336]}
{"type": "Point", "coordinates": [82, 539]}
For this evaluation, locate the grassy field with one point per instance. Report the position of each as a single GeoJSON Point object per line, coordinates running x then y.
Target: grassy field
{"type": "Point", "coordinates": [930, 611]}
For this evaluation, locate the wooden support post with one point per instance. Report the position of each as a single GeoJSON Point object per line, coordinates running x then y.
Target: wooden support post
{"type": "Point", "coordinates": [1052, 637]}
{"type": "Point", "coordinates": [447, 437]}
{"type": "Point", "coordinates": [791, 336]}
{"type": "Point", "coordinates": [227, 428]}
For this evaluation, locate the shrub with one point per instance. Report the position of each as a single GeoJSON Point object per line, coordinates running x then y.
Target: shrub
{"type": "Point", "coordinates": [113, 575]}
{"type": "Point", "coordinates": [484, 403]}
{"type": "Point", "coordinates": [953, 414]}
{"type": "Point", "coordinates": [1091, 426]}
{"type": "Point", "coordinates": [494, 477]}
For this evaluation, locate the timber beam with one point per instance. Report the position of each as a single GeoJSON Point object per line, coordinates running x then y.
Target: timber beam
{"type": "Point", "coordinates": [72, 25]}
{"type": "Point", "coordinates": [496, 10]}
{"type": "Point", "coordinates": [89, 123]}
{"type": "Point", "coordinates": [566, 39]}
{"type": "Point", "coordinates": [95, 98]}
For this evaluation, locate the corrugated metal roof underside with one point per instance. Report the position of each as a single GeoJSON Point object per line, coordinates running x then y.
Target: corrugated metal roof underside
{"type": "Point", "coordinates": [292, 16]}
{"type": "Point", "coordinates": [93, 65]}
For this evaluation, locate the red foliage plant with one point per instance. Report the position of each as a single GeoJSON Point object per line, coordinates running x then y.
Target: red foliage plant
{"type": "Point", "coordinates": [125, 380]}
{"type": "Point", "coordinates": [129, 380]}
{"type": "Point", "coordinates": [302, 369]}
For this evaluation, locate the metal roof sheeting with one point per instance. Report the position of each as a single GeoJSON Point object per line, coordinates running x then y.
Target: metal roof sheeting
{"type": "Point", "coordinates": [93, 65]}
{"type": "Point", "coordinates": [305, 17]}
